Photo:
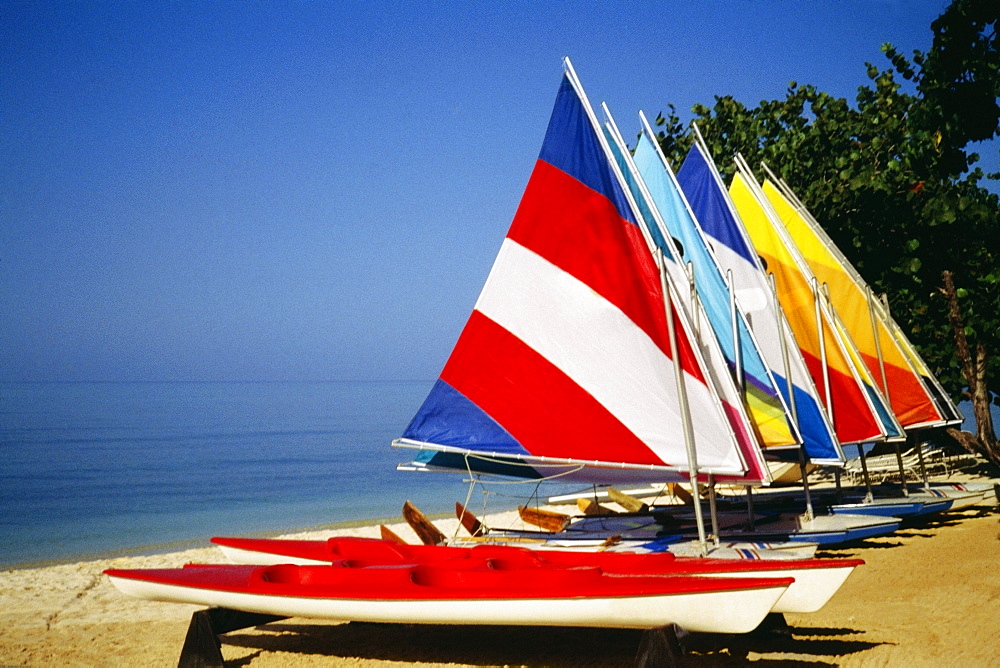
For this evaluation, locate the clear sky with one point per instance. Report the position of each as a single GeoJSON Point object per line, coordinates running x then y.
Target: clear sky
{"type": "Point", "coordinates": [310, 190]}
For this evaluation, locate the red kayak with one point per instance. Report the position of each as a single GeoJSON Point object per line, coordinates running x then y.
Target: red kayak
{"type": "Point", "coordinates": [816, 580]}
{"type": "Point", "coordinates": [473, 590]}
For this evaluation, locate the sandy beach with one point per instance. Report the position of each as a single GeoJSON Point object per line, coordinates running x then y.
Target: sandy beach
{"type": "Point", "coordinates": [925, 597]}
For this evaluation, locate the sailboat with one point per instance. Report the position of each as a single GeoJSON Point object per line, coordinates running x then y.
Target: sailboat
{"type": "Point", "coordinates": [580, 360]}
{"type": "Point", "coordinates": [567, 365]}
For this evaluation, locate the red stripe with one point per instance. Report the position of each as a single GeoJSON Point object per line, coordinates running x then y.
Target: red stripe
{"type": "Point", "coordinates": [579, 230]}
{"type": "Point", "coordinates": [910, 403]}
{"type": "Point", "coordinates": [541, 407]}
{"type": "Point", "coordinates": [853, 420]}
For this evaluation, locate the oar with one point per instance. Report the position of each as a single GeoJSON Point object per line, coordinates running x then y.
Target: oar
{"type": "Point", "coordinates": [591, 507]}
{"type": "Point", "coordinates": [423, 527]}
{"type": "Point", "coordinates": [469, 521]}
{"type": "Point", "coordinates": [388, 535]}
{"type": "Point", "coordinates": [681, 493]}
{"type": "Point", "coordinates": [545, 519]}
{"type": "Point", "coordinates": [627, 501]}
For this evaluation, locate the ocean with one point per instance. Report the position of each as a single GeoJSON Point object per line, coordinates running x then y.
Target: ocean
{"type": "Point", "coordinates": [92, 469]}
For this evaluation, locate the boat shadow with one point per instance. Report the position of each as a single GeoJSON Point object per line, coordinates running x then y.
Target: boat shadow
{"type": "Point", "coordinates": [535, 646]}
{"type": "Point", "coordinates": [777, 646]}
{"type": "Point", "coordinates": [918, 527]}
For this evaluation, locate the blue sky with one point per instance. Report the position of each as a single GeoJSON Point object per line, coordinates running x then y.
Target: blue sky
{"type": "Point", "coordinates": [316, 190]}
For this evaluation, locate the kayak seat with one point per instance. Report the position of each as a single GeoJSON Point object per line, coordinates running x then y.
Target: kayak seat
{"type": "Point", "coordinates": [512, 579]}
{"type": "Point", "coordinates": [366, 548]}
{"type": "Point", "coordinates": [334, 576]}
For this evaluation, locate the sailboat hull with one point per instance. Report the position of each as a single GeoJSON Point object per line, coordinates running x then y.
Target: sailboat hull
{"type": "Point", "coordinates": [828, 529]}
{"type": "Point", "coordinates": [887, 508]}
{"type": "Point", "coordinates": [851, 500]}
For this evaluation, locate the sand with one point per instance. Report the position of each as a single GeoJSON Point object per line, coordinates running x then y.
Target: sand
{"type": "Point", "coordinates": [927, 596]}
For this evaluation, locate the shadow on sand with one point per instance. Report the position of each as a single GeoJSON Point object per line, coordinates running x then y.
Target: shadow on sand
{"type": "Point", "coordinates": [539, 646]}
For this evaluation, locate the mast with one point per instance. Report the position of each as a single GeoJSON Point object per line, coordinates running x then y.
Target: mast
{"type": "Point", "coordinates": [682, 398]}
{"type": "Point", "coordinates": [803, 473]}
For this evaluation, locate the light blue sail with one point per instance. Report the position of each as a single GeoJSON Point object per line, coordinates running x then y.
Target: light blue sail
{"type": "Point", "coordinates": [763, 400]}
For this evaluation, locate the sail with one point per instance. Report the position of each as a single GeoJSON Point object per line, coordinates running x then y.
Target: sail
{"type": "Point", "coordinates": [564, 366]}
{"type": "Point", "coordinates": [703, 189]}
{"type": "Point", "coordinates": [764, 403]}
{"type": "Point", "coordinates": [910, 400]}
{"type": "Point", "coordinates": [841, 389]}
{"type": "Point", "coordinates": [949, 411]}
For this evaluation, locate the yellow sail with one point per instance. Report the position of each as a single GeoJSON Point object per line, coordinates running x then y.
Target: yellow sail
{"type": "Point", "coordinates": [887, 365]}
{"type": "Point", "coordinates": [853, 417]}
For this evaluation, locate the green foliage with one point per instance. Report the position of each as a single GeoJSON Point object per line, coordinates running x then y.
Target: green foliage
{"type": "Point", "coordinates": [891, 178]}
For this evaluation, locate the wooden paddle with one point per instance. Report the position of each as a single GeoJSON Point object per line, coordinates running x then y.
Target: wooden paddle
{"type": "Point", "coordinates": [680, 493]}
{"type": "Point", "coordinates": [627, 501]}
{"type": "Point", "coordinates": [469, 521]}
{"type": "Point", "coordinates": [545, 519]}
{"type": "Point", "coordinates": [423, 527]}
{"type": "Point", "coordinates": [387, 534]}
{"type": "Point", "coordinates": [591, 507]}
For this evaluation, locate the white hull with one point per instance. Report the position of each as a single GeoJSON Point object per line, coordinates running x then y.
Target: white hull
{"type": "Point", "coordinates": [980, 492]}
{"type": "Point", "coordinates": [713, 612]}
{"type": "Point", "coordinates": [812, 589]}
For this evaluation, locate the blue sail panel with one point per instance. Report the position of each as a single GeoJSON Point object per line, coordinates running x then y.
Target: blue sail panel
{"type": "Point", "coordinates": [572, 147]}
{"type": "Point", "coordinates": [448, 418]}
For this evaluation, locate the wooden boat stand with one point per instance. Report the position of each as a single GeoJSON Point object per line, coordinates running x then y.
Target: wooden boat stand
{"type": "Point", "coordinates": [660, 647]}
{"type": "Point", "coordinates": [202, 649]}
{"type": "Point", "coordinates": [201, 645]}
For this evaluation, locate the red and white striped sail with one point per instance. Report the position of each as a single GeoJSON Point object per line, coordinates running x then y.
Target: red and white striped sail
{"type": "Point", "coordinates": [565, 365]}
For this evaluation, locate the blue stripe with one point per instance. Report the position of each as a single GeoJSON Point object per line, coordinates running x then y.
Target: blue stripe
{"type": "Point", "coordinates": [709, 205]}
{"type": "Point", "coordinates": [885, 416]}
{"type": "Point", "coordinates": [447, 417]}
{"type": "Point", "coordinates": [572, 146]}
{"type": "Point", "coordinates": [817, 441]}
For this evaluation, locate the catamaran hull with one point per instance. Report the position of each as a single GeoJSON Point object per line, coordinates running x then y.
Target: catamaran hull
{"type": "Point", "coordinates": [885, 508]}
{"type": "Point", "coordinates": [852, 501]}
{"type": "Point", "coordinates": [839, 528]}
{"type": "Point", "coordinates": [830, 529]}
{"type": "Point", "coordinates": [719, 610]}
{"type": "Point", "coordinates": [962, 494]}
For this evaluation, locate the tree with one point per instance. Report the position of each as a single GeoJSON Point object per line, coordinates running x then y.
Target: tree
{"type": "Point", "coordinates": [896, 186]}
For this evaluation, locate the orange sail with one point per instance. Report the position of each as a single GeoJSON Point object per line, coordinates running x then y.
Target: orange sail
{"type": "Point", "coordinates": [841, 390]}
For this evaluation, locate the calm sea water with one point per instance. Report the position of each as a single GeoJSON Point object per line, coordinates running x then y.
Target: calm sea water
{"type": "Point", "coordinates": [93, 468]}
